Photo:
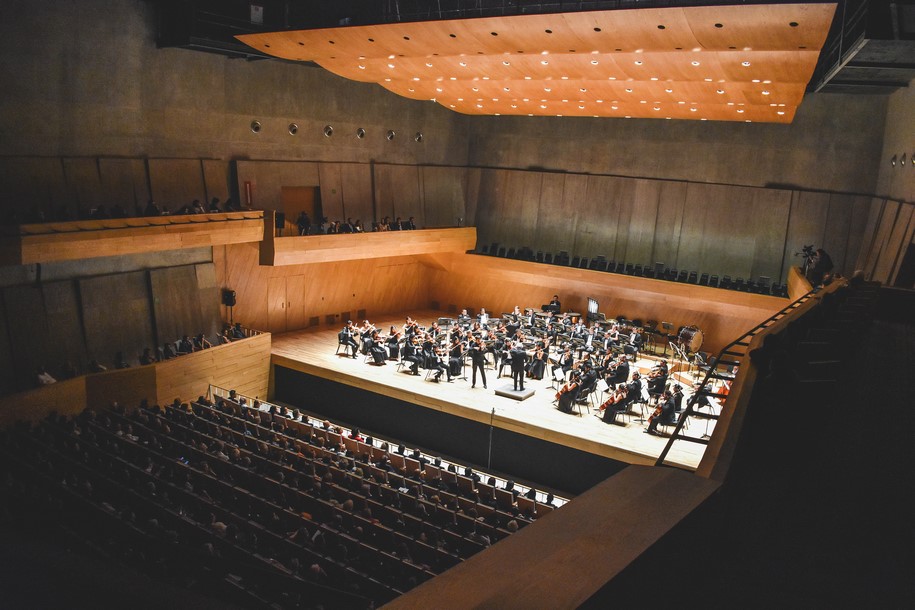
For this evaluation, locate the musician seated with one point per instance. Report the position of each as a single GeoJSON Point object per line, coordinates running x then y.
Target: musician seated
{"type": "Point", "coordinates": [665, 415]}
{"type": "Point", "coordinates": [657, 378]}
{"type": "Point", "coordinates": [569, 392]}
{"type": "Point", "coordinates": [464, 319]}
{"type": "Point", "coordinates": [619, 373]}
{"type": "Point", "coordinates": [483, 317]}
{"type": "Point", "coordinates": [618, 402]}
{"type": "Point", "coordinates": [555, 306]}
{"type": "Point", "coordinates": [376, 349]}
{"type": "Point", "coordinates": [346, 337]}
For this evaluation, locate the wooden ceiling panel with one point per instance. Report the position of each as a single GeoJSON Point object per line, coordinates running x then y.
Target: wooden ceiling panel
{"type": "Point", "coordinates": [735, 63]}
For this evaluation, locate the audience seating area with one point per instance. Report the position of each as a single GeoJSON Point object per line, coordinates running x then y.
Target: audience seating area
{"type": "Point", "coordinates": [762, 285]}
{"type": "Point", "coordinates": [264, 505]}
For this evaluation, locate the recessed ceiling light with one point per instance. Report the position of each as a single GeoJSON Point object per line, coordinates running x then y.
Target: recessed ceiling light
{"type": "Point", "coordinates": [527, 78]}
{"type": "Point", "coordinates": [474, 88]}
{"type": "Point", "coordinates": [514, 105]}
{"type": "Point", "coordinates": [740, 110]}
{"type": "Point", "coordinates": [452, 105]}
{"type": "Point", "coordinates": [779, 112]}
{"type": "Point", "coordinates": [479, 105]}
{"type": "Point", "coordinates": [506, 89]}
{"type": "Point", "coordinates": [654, 78]}
{"type": "Point", "coordinates": [415, 78]}
{"type": "Point", "coordinates": [628, 90]}
{"type": "Point", "coordinates": [703, 119]}
{"type": "Point", "coordinates": [594, 62]}
{"type": "Point", "coordinates": [582, 89]}
{"type": "Point", "coordinates": [506, 63]}
{"type": "Point", "coordinates": [669, 90]}
{"type": "Point", "coordinates": [745, 64]}
{"type": "Point", "coordinates": [638, 62]}
{"type": "Point", "coordinates": [693, 109]}
{"type": "Point", "coordinates": [463, 64]}
{"type": "Point", "coordinates": [720, 91]}
{"type": "Point", "coordinates": [362, 67]}
{"type": "Point", "coordinates": [544, 62]}
{"type": "Point", "coordinates": [547, 89]}
{"type": "Point", "coordinates": [580, 107]}
{"type": "Point", "coordinates": [657, 108]}
{"type": "Point", "coordinates": [614, 108]}
{"type": "Point", "coordinates": [765, 92]}
{"type": "Point", "coordinates": [542, 106]}
{"type": "Point", "coordinates": [439, 89]}
{"type": "Point", "coordinates": [428, 64]}
{"type": "Point", "coordinates": [390, 65]}
{"type": "Point", "coordinates": [755, 80]}
{"type": "Point", "coordinates": [411, 89]}
{"type": "Point", "coordinates": [695, 63]}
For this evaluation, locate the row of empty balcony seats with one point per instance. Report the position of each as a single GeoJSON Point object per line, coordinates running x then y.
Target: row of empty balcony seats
{"type": "Point", "coordinates": [276, 510]}
{"type": "Point", "coordinates": [763, 285]}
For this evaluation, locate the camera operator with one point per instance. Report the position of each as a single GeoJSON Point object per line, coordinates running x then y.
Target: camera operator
{"type": "Point", "coordinates": [820, 267]}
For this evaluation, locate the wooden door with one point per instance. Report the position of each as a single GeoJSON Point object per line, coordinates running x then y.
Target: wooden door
{"type": "Point", "coordinates": [276, 304]}
{"type": "Point", "coordinates": [295, 302]}
{"type": "Point", "coordinates": [294, 200]}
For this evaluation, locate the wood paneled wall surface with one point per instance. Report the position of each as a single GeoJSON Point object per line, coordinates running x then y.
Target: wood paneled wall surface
{"type": "Point", "coordinates": [719, 229]}
{"type": "Point", "coordinates": [354, 246]}
{"type": "Point", "coordinates": [889, 232]}
{"type": "Point", "coordinates": [798, 284]}
{"type": "Point", "coordinates": [74, 321]}
{"type": "Point", "coordinates": [76, 240]}
{"type": "Point", "coordinates": [468, 280]}
{"type": "Point", "coordinates": [295, 296]}
{"type": "Point", "coordinates": [71, 187]}
{"type": "Point", "coordinates": [434, 196]}
{"type": "Point", "coordinates": [243, 365]}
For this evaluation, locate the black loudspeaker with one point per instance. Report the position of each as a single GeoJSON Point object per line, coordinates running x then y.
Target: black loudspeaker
{"type": "Point", "coordinates": [228, 297]}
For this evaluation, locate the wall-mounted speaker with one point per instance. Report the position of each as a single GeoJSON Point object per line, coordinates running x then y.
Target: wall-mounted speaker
{"type": "Point", "coordinates": [228, 297]}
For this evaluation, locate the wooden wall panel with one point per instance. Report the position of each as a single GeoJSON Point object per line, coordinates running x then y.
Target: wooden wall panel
{"type": "Point", "coordinates": [84, 182]}
{"type": "Point", "coordinates": [805, 226]}
{"type": "Point", "coordinates": [176, 303]}
{"type": "Point", "coordinates": [499, 284]}
{"type": "Point", "coordinates": [671, 203]}
{"type": "Point", "coordinates": [176, 182]}
{"type": "Point", "coordinates": [381, 285]}
{"type": "Point", "coordinates": [767, 223]}
{"type": "Point", "coordinates": [268, 178]}
{"type": "Point", "coordinates": [857, 229]}
{"type": "Point", "coordinates": [125, 181]}
{"type": "Point", "coordinates": [643, 221]}
{"type": "Point", "coordinates": [881, 238]}
{"type": "Point", "coordinates": [241, 365]}
{"type": "Point", "coordinates": [9, 381]}
{"type": "Point", "coordinates": [331, 182]}
{"type": "Point", "coordinates": [444, 196]}
{"type": "Point", "coordinates": [397, 191]}
{"type": "Point", "coordinates": [65, 398]}
{"type": "Point", "coordinates": [895, 245]}
{"type": "Point", "coordinates": [210, 298]}
{"type": "Point", "coordinates": [472, 181]}
{"type": "Point", "coordinates": [216, 180]}
{"type": "Point", "coordinates": [835, 233]}
{"type": "Point", "coordinates": [127, 387]}
{"type": "Point", "coordinates": [869, 234]}
{"type": "Point", "coordinates": [32, 185]}
{"type": "Point", "coordinates": [594, 227]}
{"type": "Point", "coordinates": [620, 199]}
{"type": "Point", "coordinates": [553, 211]}
{"type": "Point", "coordinates": [116, 314]}
{"type": "Point", "coordinates": [65, 327]}
{"type": "Point", "coordinates": [356, 180]}
{"type": "Point", "coordinates": [716, 230]}
{"type": "Point", "coordinates": [28, 332]}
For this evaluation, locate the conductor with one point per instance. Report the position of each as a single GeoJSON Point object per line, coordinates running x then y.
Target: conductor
{"type": "Point", "coordinates": [519, 359]}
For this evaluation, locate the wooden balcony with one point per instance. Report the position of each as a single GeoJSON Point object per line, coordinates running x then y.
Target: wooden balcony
{"type": "Point", "coordinates": [62, 241]}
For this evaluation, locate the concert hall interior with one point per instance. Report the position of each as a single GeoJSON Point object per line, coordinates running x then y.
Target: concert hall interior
{"type": "Point", "coordinates": [456, 304]}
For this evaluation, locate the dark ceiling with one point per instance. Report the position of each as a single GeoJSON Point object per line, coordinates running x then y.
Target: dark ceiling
{"type": "Point", "coordinates": [870, 48]}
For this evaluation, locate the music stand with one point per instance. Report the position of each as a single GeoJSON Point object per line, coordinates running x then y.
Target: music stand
{"type": "Point", "coordinates": [667, 326]}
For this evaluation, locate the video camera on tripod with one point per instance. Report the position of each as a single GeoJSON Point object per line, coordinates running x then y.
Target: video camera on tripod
{"type": "Point", "coordinates": [808, 253]}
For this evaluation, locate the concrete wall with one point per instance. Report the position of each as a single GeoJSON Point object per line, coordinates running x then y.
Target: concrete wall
{"type": "Point", "coordinates": [898, 182]}
{"type": "Point", "coordinates": [834, 144]}
{"type": "Point", "coordinates": [85, 79]}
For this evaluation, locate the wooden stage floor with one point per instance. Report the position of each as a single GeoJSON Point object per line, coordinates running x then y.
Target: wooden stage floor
{"type": "Point", "coordinates": [312, 351]}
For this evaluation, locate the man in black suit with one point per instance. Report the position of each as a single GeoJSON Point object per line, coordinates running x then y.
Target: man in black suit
{"type": "Point", "coordinates": [667, 417]}
{"type": "Point", "coordinates": [347, 339]}
{"type": "Point", "coordinates": [620, 373]}
{"type": "Point", "coordinates": [478, 361]}
{"type": "Point", "coordinates": [519, 359]}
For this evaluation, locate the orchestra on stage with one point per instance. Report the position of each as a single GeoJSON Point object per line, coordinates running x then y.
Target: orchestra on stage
{"type": "Point", "coordinates": [586, 362]}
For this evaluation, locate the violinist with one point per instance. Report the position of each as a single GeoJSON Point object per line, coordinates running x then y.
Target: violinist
{"type": "Point", "coordinates": [409, 327]}
{"type": "Point", "coordinates": [665, 414]}
{"type": "Point", "coordinates": [614, 404]}
{"type": "Point", "coordinates": [657, 377]}
{"type": "Point", "coordinates": [455, 355]}
{"type": "Point", "coordinates": [393, 343]}
{"type": "Point", "coordinates": [618, 372]}
{"type": "Point", "coordinates": [568, 393]}
{"type": "Point", "coordinates": [439, 366]}
{"type": "Point", "coordinates": [376, 348]}
{"type": "Point", "coordinates": [365, 333]}
{"type": "Point", "coordinates": [678, 397]}
{"type": "Point", "coordinates": [411, 353]}
{"type": "Point", "coordinates": [346, 337]}
{"type": "Point", "coordinates": [478, 360]}
{"type": "Point", "coordinates": [538, 362]}
{"type": "Point", "coordinates": [566, 361]}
